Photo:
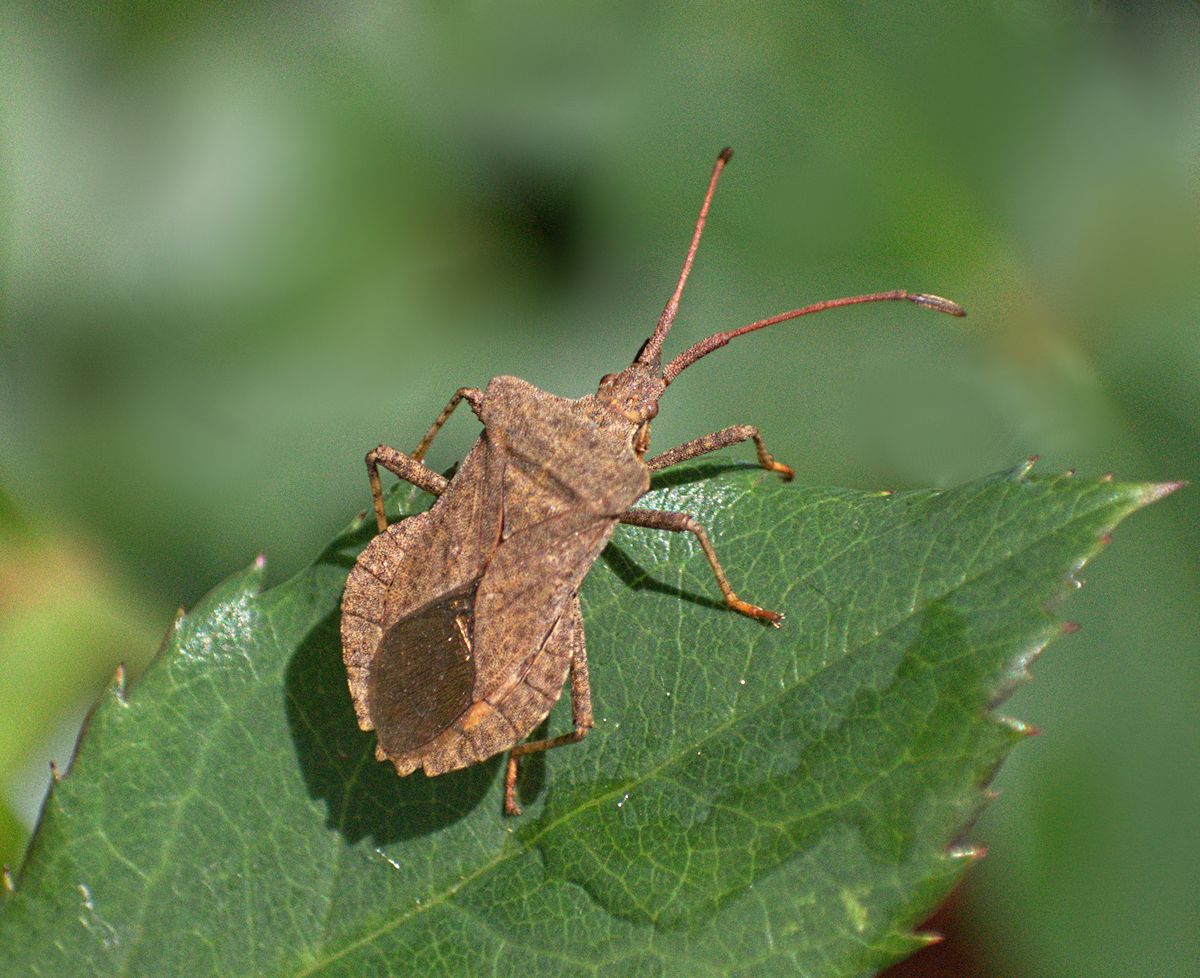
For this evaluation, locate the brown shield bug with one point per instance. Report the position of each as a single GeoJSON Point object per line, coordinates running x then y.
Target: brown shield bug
{"type": "Point", "coordinates": [460, 625]}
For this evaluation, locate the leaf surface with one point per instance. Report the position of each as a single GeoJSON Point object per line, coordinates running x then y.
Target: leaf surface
{"type": "Point", "coordinates": [752, 801]}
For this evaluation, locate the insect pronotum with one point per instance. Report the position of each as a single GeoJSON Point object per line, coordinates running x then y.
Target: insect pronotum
{"type": "Point", "coordinates": [461, 624]}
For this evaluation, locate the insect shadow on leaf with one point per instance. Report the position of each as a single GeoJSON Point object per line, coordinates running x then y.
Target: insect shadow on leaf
{"type": "Point", "coordinates": [638, 578]}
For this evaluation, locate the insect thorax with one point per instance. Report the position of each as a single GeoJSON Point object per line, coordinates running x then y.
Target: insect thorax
{"type": "Point", "coordinates": [560, 453]}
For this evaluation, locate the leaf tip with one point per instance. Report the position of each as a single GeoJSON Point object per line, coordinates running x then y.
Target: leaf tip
{"type": "Point", "coordinates": [970, 854]}
{"type": "Point", "coordinates": [1155, 491]}
{"type": "Point", "coordinates": [1022, 470]}
{"type": "Point", "coordinates": [1019, 728]}
{"type": "Point", "coordinates": [1019, 665]}
{"type": "Point", "coordinates": [249, 582]}
{"type": "Point", "coordinates": [172, 629]}
{"type": "Point", "coordinates": [117, 687]}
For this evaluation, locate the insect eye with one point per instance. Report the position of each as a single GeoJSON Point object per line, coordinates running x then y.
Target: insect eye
{"type": "Point", "coordinates": [652, 410]}
{"type": "Point", "coordinates": [607, 379]}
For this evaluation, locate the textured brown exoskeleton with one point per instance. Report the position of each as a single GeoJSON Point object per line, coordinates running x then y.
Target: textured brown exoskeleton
{"type": "Point", "coordinates": [461, 624]}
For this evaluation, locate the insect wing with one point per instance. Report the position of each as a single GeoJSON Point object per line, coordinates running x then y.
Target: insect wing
{"type": "Point", "coordinates": [424, 568]}
{"type": "Point", "coordinates": [422, 674]}
{"type": "Point", "coordinates": [527, 588]}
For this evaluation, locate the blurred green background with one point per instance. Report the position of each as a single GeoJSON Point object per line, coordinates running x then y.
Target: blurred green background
{"type": "Point", "coordinates": [241, 245]}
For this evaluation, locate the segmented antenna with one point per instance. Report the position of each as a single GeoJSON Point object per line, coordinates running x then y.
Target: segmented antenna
{"type": "Point", "coordinates": [651, 350]}
{"type": "Point", "coordinates": [718, 340]}
{"type": "Point", "coordinates": [653, 346]}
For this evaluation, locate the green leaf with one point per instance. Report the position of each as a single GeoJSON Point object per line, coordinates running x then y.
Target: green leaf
{"type": "Point", "coordinates": [752, 801]}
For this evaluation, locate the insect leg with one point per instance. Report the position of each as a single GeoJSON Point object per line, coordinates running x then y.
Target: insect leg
{"type": "Point", "coordinates": [406, 468]}
{"type": "Point", "coordinates": [472, 395]}
{"type": "Point", "coordinates": [581, 717]}
{"type": "Point", "coordinates": [720, 439]}
{"type": "Point", "coordinates": [660, 519]}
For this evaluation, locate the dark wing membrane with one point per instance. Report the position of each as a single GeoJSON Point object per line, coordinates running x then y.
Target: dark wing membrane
{"type": "Point", "coordinates": [423, 673]}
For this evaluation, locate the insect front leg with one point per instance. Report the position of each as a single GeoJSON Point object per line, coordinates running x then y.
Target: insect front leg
{"type": "Point", "coordinates": [472, 395]}
{"type": "Point", "coordinates": [717, 440]}
{"type": "Point", "coordinates": [581, 718]}
{"type": "Point", "coordinates": [408, 469]}
{"type": "Point", "coordinates": [660, 519]}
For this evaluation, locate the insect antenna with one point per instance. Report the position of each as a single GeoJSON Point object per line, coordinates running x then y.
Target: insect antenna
{"type": "Point", "coordinates": [718, 340]}
{"type": "Point", "coordinates": [651, 349]}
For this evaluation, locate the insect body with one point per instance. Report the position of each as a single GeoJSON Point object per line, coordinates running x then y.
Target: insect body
{"type": "Point", "coordinates": [460, 625]}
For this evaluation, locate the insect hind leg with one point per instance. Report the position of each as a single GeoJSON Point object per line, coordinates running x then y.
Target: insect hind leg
{"type": "Point", "coordinates": [661, 519]}
{"type": "Point", "coordinates": [581, 718]}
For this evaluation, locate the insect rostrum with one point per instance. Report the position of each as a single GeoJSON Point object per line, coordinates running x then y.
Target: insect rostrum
{"type": "Point", "coordinates": [460, 625]}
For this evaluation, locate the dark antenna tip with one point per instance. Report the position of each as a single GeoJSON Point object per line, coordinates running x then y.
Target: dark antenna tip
{"type": "Point", "coordinates": [937, 304]}
{"type": "Point", "coordinates": [726, 154]}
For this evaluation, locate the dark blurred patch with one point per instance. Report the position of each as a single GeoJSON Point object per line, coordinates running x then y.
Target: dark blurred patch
{"type": "Point", "coordinates": [1138, 30]}
{"type": "Point", "coordinates": [1146, 15]}
{"type": "Point", "coordinates": [537, 206]}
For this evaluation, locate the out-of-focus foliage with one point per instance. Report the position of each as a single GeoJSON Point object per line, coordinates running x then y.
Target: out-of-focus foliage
{"type": "Point", "coordinates": [240, 246]}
